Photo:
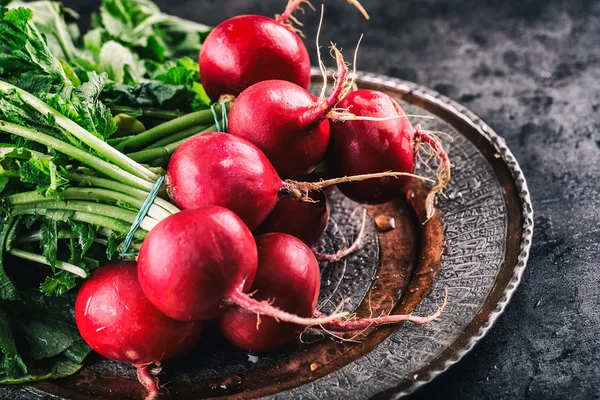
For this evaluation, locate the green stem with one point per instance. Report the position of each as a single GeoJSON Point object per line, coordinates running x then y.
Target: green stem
{"type": "Point", "coordinates": [160, 162]}
{"type": "Point", "coordinates": [93, 219]}
{"type": "Point", "coordinates": [78, 154]}
{"type": "Point", "coordinates": [62, 40]}
{"type": "Point", "coordinates": [119, 187]}
{"type": "Point", "coordinates": [104, 231]}
{"type": "Point", "coordinates": [91, 194]}
{"type": "Point", "coordinates": [146, 112]}
{"type": "Point", "coordinates": [36, 236]}
{"type": "Point", "coordinates": [132, 246]}
{"type": "Point", "coordinates": [74, 269]}
{"type": "Point", "coordinates": [10, 291]}
{"type": "Point", "coordinates": [198, 118]}
{"type": "Point", "coordinates": [184, 134]}
{"type": "Point", "coordinates": [107, 184]}
{"type": "Point", "coordinates": [86, 137]}
{"type": "Point", "coordinates": [116, 141]}
{"type": "Point", "coordinates": [165, 151]}
{"type": "Point", "coordinates": [14, 225]}
{"type": "Point", "coordinates": [87, 207]}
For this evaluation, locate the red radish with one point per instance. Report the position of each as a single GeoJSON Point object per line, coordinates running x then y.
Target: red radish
{"type": "Point", "coordinates": [228, 171]}
{"type": "Point", "coordinates": [221, 169]}
{"type": "Point", "coordinates": [195, 264]}
{"type": "Point", "coordinates": [306, 221]}
{"type": "Point", "coordinates": [363, 147]}
{"type": "Point", "coordinates": [117, 321]}
{"type": "Point", "coordinates": [286, 122]}
{"type": "Point", "coordinates": [288, 275]}
{"type": "Point", "coordinates": [248, 49]}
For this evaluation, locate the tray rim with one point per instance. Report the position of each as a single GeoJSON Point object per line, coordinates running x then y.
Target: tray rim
{"type": "Point", "coordinates": [520, 182]}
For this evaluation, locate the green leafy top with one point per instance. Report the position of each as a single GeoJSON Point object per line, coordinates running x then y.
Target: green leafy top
{"type": "Point", "coordinates": [67, 198]}
{"type": "Point", "coordinates": [173, 85]}
{"type": "Point", "coordinates": [58, 24]}
{"type": "Point", "coordinates": [140, 25]}
{"type": "Point", "coordinates": [25, 57]}
{"type": "Point", "coordinates": [47, 325]}
{"type": "Point", "coordinates": [26, 62]}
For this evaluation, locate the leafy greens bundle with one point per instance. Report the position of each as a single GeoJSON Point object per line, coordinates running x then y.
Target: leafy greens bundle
{"type": "Point", "coordinates": [68, 198]}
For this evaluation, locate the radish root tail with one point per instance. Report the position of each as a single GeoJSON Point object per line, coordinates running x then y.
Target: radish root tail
{"type": "Point", "coordinates": [346, 252]}
{"type": "Point", "coordinates": [443, 172]}
{"type": "Point", "coordinates": [149, 382]}
{"type": "Point", "coordinates": [301, 190]}
{"type": "Point", "coordinates": [341, 82]}
{"type": "Point", "coordinates": [360, 8]}
{"type": "Point", "coordinates": [352, 86]}
{"type": "Point", "coordinates": [361, 324]}
{"type": "Point", "coordinates": [265, 309]}
{"type": "Point", "coordinates": [344, 114]}
{"type": "Point", "coordinates": [321, 64]}
{"type": "Point", "coordinates": [288, 19]}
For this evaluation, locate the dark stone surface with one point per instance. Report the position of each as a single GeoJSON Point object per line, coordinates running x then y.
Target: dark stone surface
{"type": "Point", "coordinates": [531, 70]}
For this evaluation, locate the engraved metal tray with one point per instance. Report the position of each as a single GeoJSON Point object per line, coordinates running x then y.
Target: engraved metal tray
{"type": "Point", "coordinates": [476, 246]}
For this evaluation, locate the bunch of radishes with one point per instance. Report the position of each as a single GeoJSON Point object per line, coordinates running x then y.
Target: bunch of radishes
{"type": "Point", "coordinates": [202, 263]}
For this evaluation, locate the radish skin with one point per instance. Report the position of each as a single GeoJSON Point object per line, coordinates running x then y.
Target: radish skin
{"type": "Point", "coordinates": [306, 221]}
{"type": "Point", "coordinates": [248, 49]}
{"type": "Point", "coordinates": [218, 169]}
{"type": "Point", "coordinates": [197, 263]}
{"type": "Point", "coordinates": [287, 123]}
{"type": "Point", "coordinates": [288, 275]}
{"type": "Point", "coordinates": [116, 320]}
{"type": "Point", "coordinates": [389, 144]}
{"type": "Point", "coordinates": [227, 171]}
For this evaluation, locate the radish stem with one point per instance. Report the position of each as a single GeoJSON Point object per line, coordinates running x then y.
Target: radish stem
{"type": "Point", "coordinates": [78, 154]}
{"type": "Point", "coordinates": [291, 7]}
{"type": "Point", "coordinates": [36, 236]}
{"type": "Point", "coordinates": [245, 301]}
{"type": "Point", "coordinates": [198, 118]}
{"type": "Point", "coordinates": [145, 112]}
{"type": "Point", "coordinates": [165, 151]}
{"type": "Point", "coordinates": [74, 269]}
{"type": "Point", "coordinates": [184, 134]}
{"type": "Point", "coordinates": [94, 219]}
{"type": "Point", "coordinates": [119, 187]}
{"type": "Point", "coordinates": [116, 213]}
{"type": "Point", "coordinates": [86, 137]}
{"type": "Point", "coordinates": [91, 194]}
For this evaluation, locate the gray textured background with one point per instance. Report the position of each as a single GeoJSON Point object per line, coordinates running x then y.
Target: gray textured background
{"type": "Point", "coordinates": [530, 69]}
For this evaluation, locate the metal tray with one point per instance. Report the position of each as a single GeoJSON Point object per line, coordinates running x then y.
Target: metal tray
{"type": "Point", "coordinates": [476, 247]}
